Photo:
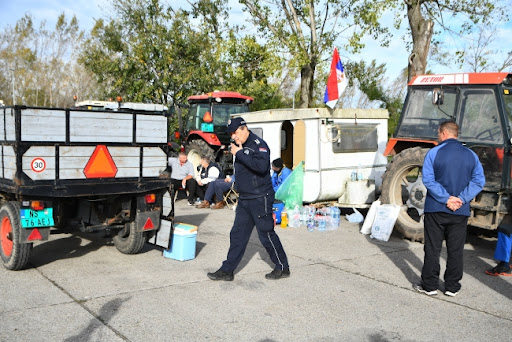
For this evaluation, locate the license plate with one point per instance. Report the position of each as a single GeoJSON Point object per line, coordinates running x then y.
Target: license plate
{"type": "Point", "coordinates": [36, 218]}
{"type": "Point", "coordinates": [207, 127]}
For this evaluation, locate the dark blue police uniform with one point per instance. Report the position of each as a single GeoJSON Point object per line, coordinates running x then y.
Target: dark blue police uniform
{"type": "Point", "coordinates": [254, 208]}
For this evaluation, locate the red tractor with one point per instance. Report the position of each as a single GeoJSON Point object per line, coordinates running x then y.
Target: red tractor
{"type": "Point", "coordinates": [205, 129]}
{"type": "Point", "coordinates": [481, 104]}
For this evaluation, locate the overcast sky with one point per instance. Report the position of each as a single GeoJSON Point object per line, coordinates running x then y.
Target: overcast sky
{"type": "Point", "coordinates": [87, 11]}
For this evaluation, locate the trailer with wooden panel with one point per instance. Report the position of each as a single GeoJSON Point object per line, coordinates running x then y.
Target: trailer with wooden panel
{"type": "Point", "coordinates": [82, 169]}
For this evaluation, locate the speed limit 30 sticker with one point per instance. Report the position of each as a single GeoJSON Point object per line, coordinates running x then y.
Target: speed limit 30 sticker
{"type": "Point", "coordinates": [38, 165]}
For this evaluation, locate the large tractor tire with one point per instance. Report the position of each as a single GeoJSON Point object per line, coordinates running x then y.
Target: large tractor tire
{"type": "Point", "coordinates": [128, 240]}
{"type": "Point", "coordinates": [402, 184]}
{"type": "Point", "coordinates": [15, 255]}
{"type": "Point", "coordinates": [196, 149]}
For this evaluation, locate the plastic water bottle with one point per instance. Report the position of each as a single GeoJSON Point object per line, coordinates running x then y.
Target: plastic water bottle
{"type": "Point", "coordinates": [359, 173]}
{"type": "Point", "coordinates": [304, 216]}
{"type": "Point", "coordinates": [311, 219]}
{"type": "Point", "coordinates": [353, 175]}
{"type": "Point", "coordinates": [335, 217]}
{"type": "Point", "coordinates": [322, 224]}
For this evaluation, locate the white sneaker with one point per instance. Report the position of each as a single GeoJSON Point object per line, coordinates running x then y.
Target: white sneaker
{"type": "Point", "coordinates": [451, 294]}
{"type": "Point", "coordinates": [420, 289]}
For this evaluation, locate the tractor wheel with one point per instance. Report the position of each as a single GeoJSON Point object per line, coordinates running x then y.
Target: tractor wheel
{"type": "Point", "coordinates": [128, 240]}
{"type": "Point", "coordinates": [402, 185]}
{"type": "Point", "coordinates": [15, 255]}
{"type": "Point", "coordinates": [196, 149]}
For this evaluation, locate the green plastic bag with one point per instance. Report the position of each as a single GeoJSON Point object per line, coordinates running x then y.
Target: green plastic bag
{"type": "Point", "coordinates": [290, 192]}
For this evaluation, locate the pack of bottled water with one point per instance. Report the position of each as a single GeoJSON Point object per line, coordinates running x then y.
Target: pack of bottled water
{"type": "Point", "coordinates": [319, 219]}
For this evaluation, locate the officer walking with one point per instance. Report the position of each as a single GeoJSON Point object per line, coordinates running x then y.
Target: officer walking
{"type": "Point", "coordinates": [252, 170]}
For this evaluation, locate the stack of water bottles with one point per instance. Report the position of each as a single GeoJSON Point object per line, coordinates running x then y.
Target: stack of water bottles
{"type": "Point", "coordinates": [320, 219]}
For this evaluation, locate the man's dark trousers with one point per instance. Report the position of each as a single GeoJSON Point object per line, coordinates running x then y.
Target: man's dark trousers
{"type": "Point", "coordinates": [251, 212]}
{"type": "Point", "coordinates": [453, 228]}
{"type": "Point", "coordinates": [190, 186]}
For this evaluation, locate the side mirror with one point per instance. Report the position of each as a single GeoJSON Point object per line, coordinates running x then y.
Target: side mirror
{"type": "Point", "coordinates": [437, 96]}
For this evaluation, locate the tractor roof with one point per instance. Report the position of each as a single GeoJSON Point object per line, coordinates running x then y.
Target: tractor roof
{"type": "Point", "coordinates": [463, 78]}
{"type": "Point", "coordinates": [222, 95]}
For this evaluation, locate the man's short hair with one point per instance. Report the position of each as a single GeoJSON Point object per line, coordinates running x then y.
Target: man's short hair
{"type": "Point", "coordinates": [450, 127]}
{"type": "Point", "coordinates": [206, 159]}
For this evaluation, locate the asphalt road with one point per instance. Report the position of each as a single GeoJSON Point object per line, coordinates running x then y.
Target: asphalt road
{"type": "Point", "coordinates": [344, 286]}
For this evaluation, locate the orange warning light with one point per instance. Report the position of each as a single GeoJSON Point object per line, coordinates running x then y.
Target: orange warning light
{"type": "Point", "coordinates": [101, 164]}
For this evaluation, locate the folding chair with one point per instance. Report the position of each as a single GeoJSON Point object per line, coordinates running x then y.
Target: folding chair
{"type": "Point", "coordinates": [231, 197]}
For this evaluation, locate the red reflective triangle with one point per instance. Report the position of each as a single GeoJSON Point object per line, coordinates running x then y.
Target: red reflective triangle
{"type": "Point", "coordinates": [148, 225]}
{"type": "Point", "coordinates": [35, 235]}
{"type": "Point", "coordinates": [101, 164]}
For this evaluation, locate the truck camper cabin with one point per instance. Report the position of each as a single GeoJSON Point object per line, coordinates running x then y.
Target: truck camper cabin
{"type": "Point", "coordinates": [334, 145]}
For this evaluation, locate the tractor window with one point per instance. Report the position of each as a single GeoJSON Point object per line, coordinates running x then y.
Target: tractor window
{"type": "Point", "coordinates": [195, 115]}
{"type": "Point", "coordinates": [422, 118]}
{"type": "Point", "coordinates": [480, 121]}
{"type": "Point", "coordinates": [222, 112]}
{"type": "Point", "coordinates": [507, 103]}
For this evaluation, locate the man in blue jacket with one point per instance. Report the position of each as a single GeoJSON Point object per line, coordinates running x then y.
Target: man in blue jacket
{"type": "Point", "coordinates": [281, 172]}
{"type": "Point", "coordinates": [453, 176]}
{"type": "Point", "coordinates": [252, 170]}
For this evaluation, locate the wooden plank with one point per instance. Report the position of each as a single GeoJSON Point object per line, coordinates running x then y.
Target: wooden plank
{"type": "Point", "coordinates": [100, 127]}
{"type": "Point", "coordinates": [154, 161]}
{"type": "Point", "coordinates": [10, 129]}
{"type": "Point", "coordinates": [9, 162]}
{"type": "Point", "coordinates": [127, 160]}
{"type": "Point", "coordinates": [38, 163]}
{"type": "Point", "coordinates": [151, 129]}
{"type": "Point", "coordinates": [43, 125]}
{"type": "Point", "coordinates": [2, 124]}
{"type": "Point", "coordinates": [72, 161]}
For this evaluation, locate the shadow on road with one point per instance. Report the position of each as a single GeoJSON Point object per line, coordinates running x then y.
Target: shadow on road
{"type": "Point", "coordinates": [63, 248]}
{"type": "Point", "coordinates": [107, 311]}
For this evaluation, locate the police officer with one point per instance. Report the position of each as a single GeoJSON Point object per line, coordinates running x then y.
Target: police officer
{"type": "Point", "coordinates": [252, 170]}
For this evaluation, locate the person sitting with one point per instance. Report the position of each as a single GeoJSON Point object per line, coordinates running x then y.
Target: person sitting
{"type": "Point", "coordinates": [182, 175]}
{"type": "Point", "coordinates": [208, 172]}
{"type": "Point", "coordinates": [218, 187]}
{"type": "Point", "coordinates": [281, 172]}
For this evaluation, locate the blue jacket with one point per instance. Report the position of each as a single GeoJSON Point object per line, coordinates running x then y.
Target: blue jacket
{"type": "Point", "coordinates": [450, 169]}
{"type": "Point", "coordinates": [252, 168]}
{"type": "Point", "coordinates": [279, 178]}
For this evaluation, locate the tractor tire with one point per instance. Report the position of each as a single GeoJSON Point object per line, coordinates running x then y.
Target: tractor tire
{"type": "Point", "coordinates": [15, 255]}
{"type": "Point", "coordinates": [196, 149]}
{"type": "Point", "coordinates": [402, 185]}
{"type": "Point", "coordinates": [128, 240]}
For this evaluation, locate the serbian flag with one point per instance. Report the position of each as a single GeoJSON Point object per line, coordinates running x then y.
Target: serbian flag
{"type": "Point", "coordinates": [337, 81]}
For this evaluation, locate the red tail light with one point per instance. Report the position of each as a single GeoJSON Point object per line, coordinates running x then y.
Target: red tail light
{"type": "Point", "coordinates": [151, 198]}
{"type": "Point", "coordinates": [177, 135]}
{"type": "Point", "coordinates": [37, 205]}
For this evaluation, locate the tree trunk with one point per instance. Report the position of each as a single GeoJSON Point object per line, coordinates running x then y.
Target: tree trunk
{"type": "Point", "coordinates": [307, 79]}
{"type": "Point", "coordinates": [422, 31]}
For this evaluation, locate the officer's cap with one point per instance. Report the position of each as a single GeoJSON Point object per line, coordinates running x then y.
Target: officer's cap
{"type": "Point", "coordinates": [234, 123]}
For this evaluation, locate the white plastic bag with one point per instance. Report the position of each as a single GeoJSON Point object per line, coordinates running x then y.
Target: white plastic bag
{"type": "Point", "coordinates": [370, 217]}
{"type": "Point", "coordinates": [355, 217]}
{"type": "Point", "coordinates": [385, 218]}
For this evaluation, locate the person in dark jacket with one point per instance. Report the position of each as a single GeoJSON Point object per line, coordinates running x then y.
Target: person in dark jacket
{"type": "Point", "coordinates": [209, 171]}
{"type": "Point", "coordinates": [453, 176]}
{"type": "Point", "coordinates": [256, 196]}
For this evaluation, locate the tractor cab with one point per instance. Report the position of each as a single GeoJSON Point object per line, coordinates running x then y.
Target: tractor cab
{"type": "Point", "coordinates": [205, 129]}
